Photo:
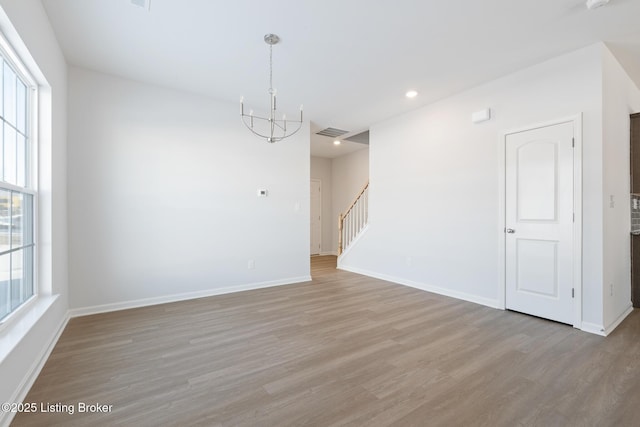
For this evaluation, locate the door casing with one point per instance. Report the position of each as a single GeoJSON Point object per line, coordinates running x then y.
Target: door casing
{"type": "Point", "coordinates": [312, 213]}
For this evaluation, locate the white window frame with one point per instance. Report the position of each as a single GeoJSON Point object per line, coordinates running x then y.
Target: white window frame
{"type": "Point", "coordinates": [31, 179]}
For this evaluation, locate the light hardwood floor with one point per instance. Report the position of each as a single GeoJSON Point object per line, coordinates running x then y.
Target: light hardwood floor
{"type": "Point", "coordinates": [341, 350]}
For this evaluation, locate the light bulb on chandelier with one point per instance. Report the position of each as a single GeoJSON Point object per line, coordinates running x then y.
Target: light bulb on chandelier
{"type": "Point", "coordinates": [270, 128]}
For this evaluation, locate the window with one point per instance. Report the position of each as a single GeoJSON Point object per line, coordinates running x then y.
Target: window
{"type": "Point", "coordinates": [17, 192]}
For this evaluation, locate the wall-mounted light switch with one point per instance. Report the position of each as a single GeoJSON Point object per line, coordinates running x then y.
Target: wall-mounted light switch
{"type": "Point", "coordinates": [262, 193]}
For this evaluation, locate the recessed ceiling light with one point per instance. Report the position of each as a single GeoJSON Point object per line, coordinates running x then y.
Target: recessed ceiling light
{"type": "Point", "coordinates": [411, 94]}
{"type": "Point", "coordinates": [337, 142]}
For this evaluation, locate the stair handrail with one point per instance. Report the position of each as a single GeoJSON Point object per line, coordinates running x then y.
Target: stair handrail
{"type": "Point", "coordinates": [356, 199]}
{"type": "Point", "coordinates": [342, 216]}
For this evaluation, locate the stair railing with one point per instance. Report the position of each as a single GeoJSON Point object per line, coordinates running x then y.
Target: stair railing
{"type": "Point", "coordinates": [353, 220]}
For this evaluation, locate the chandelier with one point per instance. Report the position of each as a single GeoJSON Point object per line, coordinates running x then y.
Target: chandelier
{"type": "Point", "coordinates": [270, 128]}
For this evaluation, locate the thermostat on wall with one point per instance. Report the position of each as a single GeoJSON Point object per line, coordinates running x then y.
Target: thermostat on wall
{"type": "Point", "coordinates": [262, 193]}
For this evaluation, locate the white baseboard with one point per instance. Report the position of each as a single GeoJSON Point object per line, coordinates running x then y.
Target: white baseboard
{"type": "Point", "coordinates": [428, 288]}
{"type": "Point", "coordinates": [124, 305]}
{"type": "Point", "coordinates": [619, 320]}
{"type": "Point", "coordinates": [334, 253]}
{"type": "Point", "coordinates": [32, 374]}
{"type": "Point", "coordinates": [593, 328]}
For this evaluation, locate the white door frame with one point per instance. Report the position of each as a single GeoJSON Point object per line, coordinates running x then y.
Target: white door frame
{"type": "Point", "coordinates": [577, 209]}
{"type": "Point", "coordinates": [319, 181]}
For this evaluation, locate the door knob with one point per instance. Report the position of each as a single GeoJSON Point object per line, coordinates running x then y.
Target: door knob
{"type": "Point", "coordinates": [510, 230]}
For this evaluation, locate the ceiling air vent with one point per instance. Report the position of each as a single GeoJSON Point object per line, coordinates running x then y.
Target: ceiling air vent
{"type": "Point", "coordinates": [332, 132]}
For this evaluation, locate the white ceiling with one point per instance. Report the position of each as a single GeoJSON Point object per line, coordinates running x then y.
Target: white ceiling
{"type": "Point", "coordinates": [348, 61]}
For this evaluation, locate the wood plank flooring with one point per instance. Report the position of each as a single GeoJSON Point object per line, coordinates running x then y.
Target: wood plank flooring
{"type": "Point", "coordinates": [341, 350]}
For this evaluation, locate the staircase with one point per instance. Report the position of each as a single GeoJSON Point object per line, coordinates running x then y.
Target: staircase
{"type": "Point", "coordinates": [354, 220]}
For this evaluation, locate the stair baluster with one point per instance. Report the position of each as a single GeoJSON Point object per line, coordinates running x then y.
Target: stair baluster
{"type": "Point", "coordinates": [352, 222]}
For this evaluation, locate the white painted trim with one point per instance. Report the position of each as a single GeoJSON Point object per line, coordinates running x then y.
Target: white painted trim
{"type": "Point", "coordinates": [352, 244]}
{"type": "Point", "coordinates": [320, 183]}
{"type": "Point", "coordinates": [502, 213]}
{"type": "Point", "coordinates": [593, 328]}
{"type": "Point", "coordinates": [20, 325]}
{"type": "Point", "coordinates": [16, 314]}
{"type": "Point", "coordinates": [334, 253]}
{"type": "Point", "coordinates": [619, 320]}
{"type": "Point", "coordinates": [425, 287]}
{"type": "Point", "coordinates": [105, 308]}
{"type": "Point", "coordinates": [577, 208]}
{"type": "Point", "coordinates": [577, 224]}
{"type": "Point", "coordinates": [32, 374]}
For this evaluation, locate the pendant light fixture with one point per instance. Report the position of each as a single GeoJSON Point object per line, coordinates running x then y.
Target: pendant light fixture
{"type": "Point", "coordinates": [271, 128]}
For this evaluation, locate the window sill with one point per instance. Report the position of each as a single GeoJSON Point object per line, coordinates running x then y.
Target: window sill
{"type": "Point", "coordinates": [14, 329]}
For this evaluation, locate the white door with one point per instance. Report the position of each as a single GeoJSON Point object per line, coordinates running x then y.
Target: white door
{"type": "Point", "coordinates": [316, 209]}
{"type": "Point", "coordinates": [539, 222]}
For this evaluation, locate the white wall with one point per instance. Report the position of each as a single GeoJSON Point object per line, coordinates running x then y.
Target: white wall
{"type": "Point", "coordinates": [434, 182]}
{"type": "Point", "coordinates": [349, 174]}
{"type": "Point", "coordinates": [321, 169]}
{"type": "Point", "coordinates": [25, 341]}
{"type": "Point", "coordinates": [620, 99]}
{"type": "Point", "coordinates": [162, 197]}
